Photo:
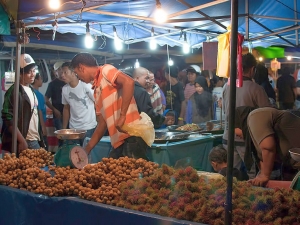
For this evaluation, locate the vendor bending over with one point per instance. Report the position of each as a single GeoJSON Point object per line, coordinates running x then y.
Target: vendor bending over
{"type": "Point", "coordinates": [114, 103]}
{"type": "Point", "coordinates": [273, 132]}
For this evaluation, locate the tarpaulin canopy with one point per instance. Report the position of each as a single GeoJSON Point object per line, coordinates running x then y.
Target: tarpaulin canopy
{"type": "Point", "coordinates": [263, 22]}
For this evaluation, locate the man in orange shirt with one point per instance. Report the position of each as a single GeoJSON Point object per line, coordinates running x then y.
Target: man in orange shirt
{"type": "Point", "coordinates": [114, 104]}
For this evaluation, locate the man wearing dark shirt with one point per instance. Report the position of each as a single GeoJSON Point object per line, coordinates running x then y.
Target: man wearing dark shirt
{"type": "Point", "coordinates": [54, 93]}
{"type": "Point", "coordinates": [174, 91]}
{"type": "Point", "coordinates": [286, 87]}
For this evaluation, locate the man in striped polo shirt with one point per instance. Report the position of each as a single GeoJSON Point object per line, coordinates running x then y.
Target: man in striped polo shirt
{"type": "Point", "coordinates": [114, 104]}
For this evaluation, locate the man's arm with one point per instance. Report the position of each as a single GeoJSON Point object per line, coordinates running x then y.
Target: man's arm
{"type": "Point", "coordinates": [182, 112]}
{"type": "Point", "coordinates": [182, 100]}
{"type": "Point", "coordinates": [42, 122]}
{"type": "Point", "coordinates": [54, 110]}
{"type": "Point", "coordinates": [97, 135]}
{"type": "Point", "coordinates": [268, 148]}
{"type": "Point", "coordinates": [298, 91]}
{"type": "Point", "coordinates": [21, 141]}
{"type": "Point", "coordinates": [66, 116]}
{"type": "Point", "coordinates": [127, 84]}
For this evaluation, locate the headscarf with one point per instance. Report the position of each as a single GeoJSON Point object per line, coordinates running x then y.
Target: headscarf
{"type": "Point", "coordinates": [241, 115]}
{"type": "Point", "coordinates": [203, 100]}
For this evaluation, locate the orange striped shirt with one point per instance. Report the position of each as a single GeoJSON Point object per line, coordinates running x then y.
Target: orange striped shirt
{"type": "Point", "coordinates": [108, 102]}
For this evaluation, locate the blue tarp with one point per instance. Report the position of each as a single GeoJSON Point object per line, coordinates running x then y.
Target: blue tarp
{"type": "Point", "coordinates": [23, 207]}
{"type": "Point", "coordinates": [135, 22]}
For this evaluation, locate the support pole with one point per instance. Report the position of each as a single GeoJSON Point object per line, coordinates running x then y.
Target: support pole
{"type": "Point", "coordinates": [16, 90]}
{"type": "Point", "coordinates": [232, 104]}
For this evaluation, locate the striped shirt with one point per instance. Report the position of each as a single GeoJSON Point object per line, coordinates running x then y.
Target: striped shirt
{"type": "Point", "coordinates": [108, 102]}
{"type": "Point", "coordinates": [156, 99]}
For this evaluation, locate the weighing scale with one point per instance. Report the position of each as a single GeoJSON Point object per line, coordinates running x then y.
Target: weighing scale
{"type": "Point", "coordinates": [70, 153]}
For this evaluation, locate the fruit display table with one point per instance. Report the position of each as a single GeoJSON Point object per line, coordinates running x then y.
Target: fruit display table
{"type": "Point", "coordinates": [194, 151]}
{"type": "Point", "coordinates": [24, 207]}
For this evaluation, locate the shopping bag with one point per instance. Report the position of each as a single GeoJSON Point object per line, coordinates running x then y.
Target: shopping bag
{"type": "Point", "coordinates": [143, 128]}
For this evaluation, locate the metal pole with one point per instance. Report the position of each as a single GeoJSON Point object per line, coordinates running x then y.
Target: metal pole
{"type": "Point", "coordinates": [232, 104]}
{"type": "Point", "coordinates": [16, 90]}
{"type": "Point", "coordinates": [296, 23]}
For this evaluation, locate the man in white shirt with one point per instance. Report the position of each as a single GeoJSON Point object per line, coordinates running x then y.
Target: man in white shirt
{"type": "Point", "coordinates": [78, 101]}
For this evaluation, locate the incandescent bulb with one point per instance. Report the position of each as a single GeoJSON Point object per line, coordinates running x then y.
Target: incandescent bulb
{"type": "Point", "coordinates": [170, 63]}
{"type": "Point", "coordinates": [137, 64]}
{"type": "Point", "coordinates": [54, 4]}
{"type": "Point", "coordinates": [160, 15]}
{"type": "Point", "coordinates": [118, 44]}
{"type": "Point", "coordinates": [88, 41]}
{"type": "Point", "coordinates": [186, 48]}
{"type": "Point", "coordinates": [153, 44]}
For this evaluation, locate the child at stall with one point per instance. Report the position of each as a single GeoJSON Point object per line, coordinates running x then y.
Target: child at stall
{"type": "Point", "coordinates": [218, 160]}
{"type": "Point", "coordinates": [171, 116]}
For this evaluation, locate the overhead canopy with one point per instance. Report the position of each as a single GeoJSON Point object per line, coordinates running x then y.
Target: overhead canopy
{"type": "Point", "coordinates": [134, 19]}
{"type": "Point", "coordinates": [263, 22]}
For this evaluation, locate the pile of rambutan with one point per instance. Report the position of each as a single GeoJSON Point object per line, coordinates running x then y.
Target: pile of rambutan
{"type": "Point", "coordinates": [185, 195]}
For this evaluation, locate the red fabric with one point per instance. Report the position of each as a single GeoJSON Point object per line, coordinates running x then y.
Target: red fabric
{"type": "Point", "coordinates": [51, 138]}
{"type": "Point", "coordinates": [239, 61]}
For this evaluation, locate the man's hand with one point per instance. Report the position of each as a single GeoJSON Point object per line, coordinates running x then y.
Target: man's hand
{"type": "Point", "coordinates": [180, 122]}
{"type": "Point", "coordinates": [44, 130]}
{"type": "Point", "coordinates": [87, 149]}
{"type": "Point", "coordinates": [22, 146]}
{"type": "Point", "coordinates": [260, 180]}
{"type": "Point", "coordinates": [57, 114]}
{"type": "Point", "coordinates": [120, 122]}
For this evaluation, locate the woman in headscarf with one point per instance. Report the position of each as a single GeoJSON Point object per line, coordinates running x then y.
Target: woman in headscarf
{"type": "Point", "coordinates": [199, 106]}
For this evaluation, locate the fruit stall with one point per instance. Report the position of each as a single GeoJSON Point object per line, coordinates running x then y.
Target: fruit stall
{"type": "Point", "coordinates": [131, 191]}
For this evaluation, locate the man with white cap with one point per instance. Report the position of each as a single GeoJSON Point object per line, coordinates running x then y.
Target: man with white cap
{"type": "Point", "coordinates": [54, 92]}
{"type": "Point", "coordinates": [29, 131]}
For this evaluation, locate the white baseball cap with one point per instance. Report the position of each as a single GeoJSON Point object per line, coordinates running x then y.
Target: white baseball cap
{"type": "Point", "coordinates": [26, 60]}
{"type": "Point", "coordinates": [57, 65]}
{"type": "Point", "coordinates": [193, 68]}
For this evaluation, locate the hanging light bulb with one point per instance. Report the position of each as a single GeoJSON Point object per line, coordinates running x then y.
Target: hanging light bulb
{"type": "Point", "coordinates": [117, 41]}
{"type": "Point", "coordinates": [89, 41]}
{"type": "Point", "coordinates": [152, 43]}
{"type": "Point", "coordinates": [137, 64]}
{"type": "Point", "coordinates": [289, 58]}
{"type": "Point", "coordinates": [54, 4]}
{"type": "Point", "coordinates": [186, 47]}
{"type": "Point", "coordinates": [160, 15]}
{"type": "Point", "coordinates": [260, 59]}
{"type": "Point", "coordinates": [170, 62]}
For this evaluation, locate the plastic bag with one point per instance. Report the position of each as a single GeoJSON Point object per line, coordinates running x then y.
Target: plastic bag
{"type": "Point", "coordinates": [143, 128]}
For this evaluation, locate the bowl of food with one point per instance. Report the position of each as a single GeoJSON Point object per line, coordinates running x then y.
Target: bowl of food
{"type": "Point", "coordinates": [70, 134]}
{"type": "Point", "coordinates": [185, 128]}
{"type": "Point", "coordinates": [295, 154]}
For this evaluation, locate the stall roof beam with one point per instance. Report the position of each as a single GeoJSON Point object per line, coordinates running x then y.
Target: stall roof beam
{"type": "Point", "coordinates": [148, 30]}
{"type": "Point", "coordinates": [168, 34]}
{"type": "Point", "coordinates": [272, 33]}
{"type": "Point", "coordinates": [59, 48]}
{"type": "Point", "coordinates": [203, 14]}
{"type": "Point", "coordinates": [65, 14]}
{"type": "Point", "coordinates": [274, 18]}
{"type": "Point", "coordinates": [93, 29]}
{"type": "Point", "coordinates": [197, 8]}
{"type": "Point", "coordinates": [275, 33]}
